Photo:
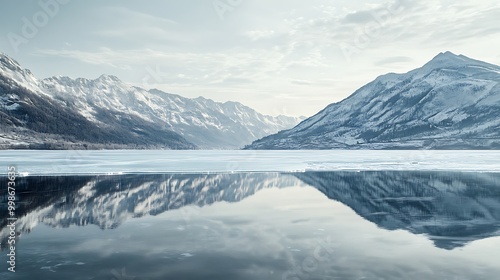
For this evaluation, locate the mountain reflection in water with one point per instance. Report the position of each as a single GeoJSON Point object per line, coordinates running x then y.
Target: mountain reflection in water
{"type": "Point", "coordinates": [219, 226]}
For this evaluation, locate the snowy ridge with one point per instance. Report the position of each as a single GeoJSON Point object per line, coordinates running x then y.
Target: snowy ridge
{"type": "Point", "coordinates": [31, 119]}
{"type": "Point", "coordinates": [16, 76]}
{"type": "Point", "coordinates": [451, 102]}
{"type": "Point", "coordinates": [111, 114]}
{"type": "Point", "coordinates": [206, 123]}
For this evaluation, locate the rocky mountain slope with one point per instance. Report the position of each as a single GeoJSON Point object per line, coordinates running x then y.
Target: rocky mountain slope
{"type": "Point", "coordinates": [136, 117]}
{"type": "Point", "coordinates": [452, 102]}
{"type": "Point", "coordinates": [208, 124]}
{"type": "Point", "coordinates": [31, 118]}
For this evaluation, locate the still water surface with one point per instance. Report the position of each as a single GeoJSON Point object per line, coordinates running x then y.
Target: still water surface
{"type": "Point", "coordinates": [308, 225]}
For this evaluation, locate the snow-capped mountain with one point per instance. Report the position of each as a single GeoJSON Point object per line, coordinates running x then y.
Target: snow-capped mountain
{"type": "Point", "coordinates": [31, 118]}
{"type": "Point", "coordinates": [208, 124]}
{"type": "Point", "coordinates": [452, 102]}
{"type": "Point", "coordinates": [452, 209]}
{"type": "Point", "coordinates": [108, 113]}
{"type": "Point", "coordinates": [12, 73]}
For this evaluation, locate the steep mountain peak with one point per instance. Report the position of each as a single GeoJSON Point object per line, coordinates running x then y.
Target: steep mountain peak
{"type": "Point", "coordinates": [447, 55]}
{"type": "Point", "coordinates": [59, 78]}
{"type": "Point", "coordinates": [450, 102]}
{"type": "Point", "coordinates": [446, 60]}
{"type": "Point", "coordinates": [452, 61]}
{"type": "Point", "coordinates": [232, 104]}
{"type": "Point", "coordinates": [12, 70]}
{"type": "Point", "coordinates": [201, 98]}
{"type": "Point", "coordinates": [63, 83]}
{"type": "Point", "coordinates": [9, 63]}
{"type": "Point", "coordinates": [108, 78]}
{"type": "Point", "coordinates": [68, 80]}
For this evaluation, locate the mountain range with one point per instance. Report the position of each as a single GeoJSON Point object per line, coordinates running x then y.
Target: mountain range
{"type": "Point", "coordinates": [65, 113]}
{"type": "Point", "coordinates": [452, 102]}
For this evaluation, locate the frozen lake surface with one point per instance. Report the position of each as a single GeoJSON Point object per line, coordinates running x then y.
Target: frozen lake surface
{"type": "Point", "coordinates": [165, 161]}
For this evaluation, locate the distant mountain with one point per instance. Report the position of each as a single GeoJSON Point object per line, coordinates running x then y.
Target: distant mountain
{"type": "Point", "coordinates": [129, 117]}
{"type": "Point", "coordinates": [452, 102]}
{"type": "Point", "coordinates": [208, 124]}
{"type": "Point", "coordinates": [31, 118]}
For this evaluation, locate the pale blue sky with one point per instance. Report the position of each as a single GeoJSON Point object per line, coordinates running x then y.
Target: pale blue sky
{"type": "Point", "coordinates": [278, 56]}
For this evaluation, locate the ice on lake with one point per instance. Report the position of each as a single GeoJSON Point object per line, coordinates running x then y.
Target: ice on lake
{"type": "Point", "coordinates": [167, 161]}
